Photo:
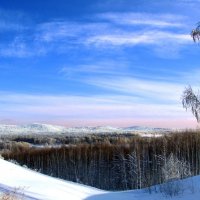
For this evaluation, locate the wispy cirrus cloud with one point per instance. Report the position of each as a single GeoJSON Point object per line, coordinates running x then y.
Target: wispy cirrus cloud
{"type": "Point", "coordinates": [106, 67]}
{"type": "Point", "coordinates": [108, 30]}
{"type": "Point", "coordinates": [21, 47]}
{"type": "Point", "coordinates": [140, 38]}
{"type": "Point", "coordinates": [147, 19]}
{"type": "Point", "coordinates": [119, 30]}
{"type": "Point", "coordinates": [60, 30]}
{"type": "Point", "coordinates": [157, 91]}
{"type": "Point", "coordinates": [16, 48]}
{"type": "Point", "coordinates": [159, 88]}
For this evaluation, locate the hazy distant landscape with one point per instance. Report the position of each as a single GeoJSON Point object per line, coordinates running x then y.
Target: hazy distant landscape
{"type": "Point", "coordinates": [52, 129]}
{"type": "Point", "coordinates": [103, 157]}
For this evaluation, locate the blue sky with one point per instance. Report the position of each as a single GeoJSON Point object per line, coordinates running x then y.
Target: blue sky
{"type": "Point", "coordinates": [95, 62]}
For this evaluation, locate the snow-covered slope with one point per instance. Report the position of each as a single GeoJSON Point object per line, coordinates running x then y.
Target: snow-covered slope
{"type": "Point", "coordinates": [52, 129]}
{"type": "Point", "coordinates": [30, 128]}
{"type": "Point", "coordinates": [36, 186]}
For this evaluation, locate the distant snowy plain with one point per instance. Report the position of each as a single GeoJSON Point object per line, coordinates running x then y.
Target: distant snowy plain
{"type": "Point", "coordinates": [35, 186]}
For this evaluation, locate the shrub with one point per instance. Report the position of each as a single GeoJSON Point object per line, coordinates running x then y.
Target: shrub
{"type": "Point", "coordinates": [16, 194]}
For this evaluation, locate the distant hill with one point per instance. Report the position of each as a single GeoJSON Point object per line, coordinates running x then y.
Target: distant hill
{"type": "Point", "coordinates": [37, 128]}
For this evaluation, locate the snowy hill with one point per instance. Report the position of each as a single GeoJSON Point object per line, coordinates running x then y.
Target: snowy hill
{"type": "Point", "coordinates": [30, 128]}
{"type": "Point", "coordinates": [52, 129]}
{"type": "Point", "coordinates": [35, 186]}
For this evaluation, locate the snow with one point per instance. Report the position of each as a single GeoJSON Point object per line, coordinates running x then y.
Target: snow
{"type": "Point", "coordinates": [37, 128]}
{"type": "Point", "coordinates": [37, 186]}
{"type": "Point", "coordinates": [30, 128]}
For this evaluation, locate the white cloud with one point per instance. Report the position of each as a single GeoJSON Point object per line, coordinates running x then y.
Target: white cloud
{"type": "Point", "coordinates": [107, 67]}
{"type": "Point", "coordinates": [140, 38]}
{"type": "Point", "coordinates": [105, 33]}
{"type": "Point", "coordinates": [63, 30]}
{"type": "Point", "coordinates": [149, 91]}
{"type": "Point", "coordinates": [16, 48]}
{"type": "Point", "coordinates": [49, 107]}
{"type": "Point", "coordinates": [60, 35]}
{"type": "Point", "coordinates": [22, 48]}
{"type": "Point", "coordinates": [156, 20]}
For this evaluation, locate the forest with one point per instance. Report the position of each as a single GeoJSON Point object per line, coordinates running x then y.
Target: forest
{"type": "Point", "coordinates": [116, 163]}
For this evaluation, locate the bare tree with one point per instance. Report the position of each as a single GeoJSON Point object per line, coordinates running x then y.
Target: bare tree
{"type": "Point", "coordinates": [190, 100]}
{"type": "Point", "coordinates": [196, 33]}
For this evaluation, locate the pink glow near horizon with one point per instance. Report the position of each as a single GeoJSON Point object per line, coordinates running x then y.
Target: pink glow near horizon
{"type": "Point", "coordinates": [70, 111]}
{"type": "Point", "coordinates": [129, 122]}
{"type": "Point", "coordinates": [162, 123]}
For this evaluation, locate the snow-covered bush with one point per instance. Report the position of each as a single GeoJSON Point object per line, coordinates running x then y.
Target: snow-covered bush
{"type": "Point", "coordinates": [174, 168]}
{"type": "Point", "coordinates": [172, 171]}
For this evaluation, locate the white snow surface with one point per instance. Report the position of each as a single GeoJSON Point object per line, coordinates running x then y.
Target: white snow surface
{"type": "Point", "coordinates": [36, 186]}
{"type": "Point", "coordinates": [37, 128]}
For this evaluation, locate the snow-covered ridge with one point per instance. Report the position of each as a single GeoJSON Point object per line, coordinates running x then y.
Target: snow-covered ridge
{"type": "Point", "coordinates": [30, 128]}
{"type": "Point", "coordinates": [47, 128]}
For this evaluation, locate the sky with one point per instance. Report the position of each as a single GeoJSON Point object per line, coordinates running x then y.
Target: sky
{"type": "Point", "coordinates": [98, 62]}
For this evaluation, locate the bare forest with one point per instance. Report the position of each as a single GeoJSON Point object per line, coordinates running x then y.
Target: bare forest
{"type": "Point", "coordinates": [113, 162]}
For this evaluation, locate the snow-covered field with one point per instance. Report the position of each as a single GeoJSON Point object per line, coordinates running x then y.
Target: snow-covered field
{"type": "Point", "coordinates": [36, 186]}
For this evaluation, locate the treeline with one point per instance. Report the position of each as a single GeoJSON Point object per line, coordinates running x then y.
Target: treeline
{"type": "Point", "coordinates": [16, 142]}
{"type": "Point", "coordinates": [131, 163]}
